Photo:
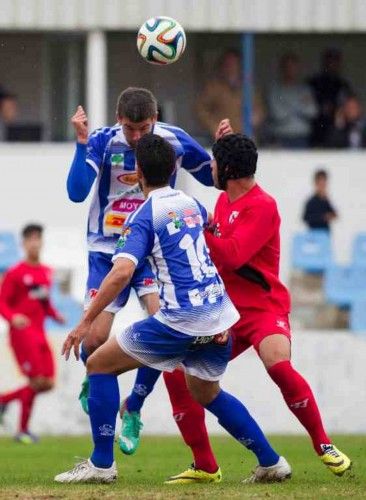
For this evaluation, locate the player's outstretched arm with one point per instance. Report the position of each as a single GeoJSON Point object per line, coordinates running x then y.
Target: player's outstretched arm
{"type": "Point", "coordinates": [115, 281]}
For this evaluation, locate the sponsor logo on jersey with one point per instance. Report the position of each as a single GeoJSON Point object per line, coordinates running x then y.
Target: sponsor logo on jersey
{"type": "Point", "coordinates": [126, 205]}
{"type": "Point", "coordinates": [39, 292]}
{"type": "Point", "coordinates": [93, 292]}
{"type": "Point", "coordinates": [233, 216]}
{"type": "Point", "coordinates": [129, 179]}
{"type": "Point", "coordinates": [176, 220]}
{"type": "Point", "coordinates": [282, 324]}
{"type": "Point", "coordinates": [115, 220]}
{"type": "Point", "coordinates": [148, 282]}
{"type": "Point", "coordinates": [117, 160]}
{"type": "Point", "coordinates": [192, 219]}
{"type": "Point", "coordinates": [27, 279]}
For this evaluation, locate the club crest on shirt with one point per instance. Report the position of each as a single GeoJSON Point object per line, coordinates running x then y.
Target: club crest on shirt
{"type": "Point", "coordinates": [117, 160]}
{"type": "Point", "coordinates": [176, 223]}
{"type": "Point", "coordinates": [233, 216]}
{"type": "Point", "coordinates": [123, 238]}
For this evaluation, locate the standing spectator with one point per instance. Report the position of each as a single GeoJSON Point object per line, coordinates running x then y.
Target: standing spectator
{"type": "Point", "coordinates": [319, 212]}
{"type": "Point", "coordinates": [329, 90]}
{"type": "Point", "coordinates": [8, 111]}
{"type": "Point", "coordinates": [349, 129]}
{"type": "Point", "coordinates": [291, 106]}
{"type": "Point", "coordinates": [222, 96]}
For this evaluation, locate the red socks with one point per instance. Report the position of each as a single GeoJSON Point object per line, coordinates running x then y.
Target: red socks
{"type": "Point", "coordinates": [190, 418]}
{"type": "Point", "coordinates": [300, 400]}
{"type": "Point", "coordinates": [26, 397]}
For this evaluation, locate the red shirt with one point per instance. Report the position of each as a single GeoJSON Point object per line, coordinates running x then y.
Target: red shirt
{"type": "Point", "coordinates": [247, 241]}
{"type": "Point", "coordinates": [25, 290]}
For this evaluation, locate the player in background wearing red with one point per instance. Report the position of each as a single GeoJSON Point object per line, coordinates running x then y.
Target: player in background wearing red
{"type": "Point", "coordinates": [244, 242]}
{"type": "Point", "coordinates": [25, 304]}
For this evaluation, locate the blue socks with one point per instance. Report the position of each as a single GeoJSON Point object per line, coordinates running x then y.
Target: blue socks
{"type": "Point", "coordinates": [103, 405]}
{"type": "Point", "coordinates": [235, 418]}
{"type": "Point", "coordinates": [145, 380]}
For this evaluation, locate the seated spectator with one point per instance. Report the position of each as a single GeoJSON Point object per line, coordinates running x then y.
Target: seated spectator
{"type": "Point", "coordinates": [319, 212]}
{"type": "Point", "coordinates": [8, 111]}
{"type": "Point", "coordinates": [291, 106]}
{"type": "Point", "coordinates": [349, 129]}
{"type": "Point", "coordinates": [222, 96]}
{"type": "Point", "coordinates": [329, 90]}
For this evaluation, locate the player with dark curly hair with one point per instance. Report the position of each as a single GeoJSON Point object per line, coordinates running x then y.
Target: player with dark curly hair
{"type": "Point", "coordinates": [244, 242]}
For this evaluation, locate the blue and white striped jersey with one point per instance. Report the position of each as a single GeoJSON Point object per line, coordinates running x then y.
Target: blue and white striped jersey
{"type": "Point", "coordinates": [168, 230]}
{"type": "Point", "coordinates": [117, 193]}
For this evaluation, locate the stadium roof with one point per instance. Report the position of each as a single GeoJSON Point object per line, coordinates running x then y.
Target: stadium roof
{"type": "Point", "coordinates": [195, 15]}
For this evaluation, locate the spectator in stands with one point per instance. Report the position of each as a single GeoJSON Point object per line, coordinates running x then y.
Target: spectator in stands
{"type": "Point", "coordinates": [291, 106]}
{"type": "Point", "coordinates": [349, 129]}
{"type": "Point", "coordinates": [222, 96]}
{"type": "Point", "coordinates": [329, 90]}
{"type": "Point", "coordinates": [319, 212]}
{"type": "Point", "coordinates": [8, 111]}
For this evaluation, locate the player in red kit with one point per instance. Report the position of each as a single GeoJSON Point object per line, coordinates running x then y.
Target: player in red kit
{"type": "Point", "coordinates": [25, 304]}
{"type": "Point", "coordinates": [244, 243]}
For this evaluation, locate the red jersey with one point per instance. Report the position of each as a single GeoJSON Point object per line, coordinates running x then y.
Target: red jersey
{"type": "Point", "coordinates": [246, 251]}
{"type": "Point", "coordinates": [26, 290]}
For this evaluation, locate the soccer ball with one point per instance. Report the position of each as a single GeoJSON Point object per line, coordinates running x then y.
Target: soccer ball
{"type": "Point", "coordinates": [161, 40]}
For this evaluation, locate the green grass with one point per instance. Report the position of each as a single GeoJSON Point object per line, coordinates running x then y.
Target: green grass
{"type": "Point", "coordinates": [28, 471]}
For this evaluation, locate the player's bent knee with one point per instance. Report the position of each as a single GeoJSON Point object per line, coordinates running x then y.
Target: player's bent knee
{"type": "Point", "coordinates": [203, 391]}
{"type": "Point", "coordinates": [41, 384]}
{"type": "Point", "coordinates": [94, 341]}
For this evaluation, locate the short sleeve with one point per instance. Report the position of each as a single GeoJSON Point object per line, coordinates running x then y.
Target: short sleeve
{"type": "Point", "coordinates": [136, 240]}
{"type": "Point", "coordinates": [203, 212]}
{"type": "Point", "coordinates": [95, 149]}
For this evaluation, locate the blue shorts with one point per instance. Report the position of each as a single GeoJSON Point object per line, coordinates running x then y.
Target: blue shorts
{"type": "Point", "coordinates": [159, 346]}
{"type": "Point", "coordinates": [143, 280]}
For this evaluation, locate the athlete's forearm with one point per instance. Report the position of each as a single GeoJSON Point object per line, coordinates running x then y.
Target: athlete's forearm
{"type": "Point", "coordinates": [81, 175]}
{"type": "Point", "coordinates": [112, 285]}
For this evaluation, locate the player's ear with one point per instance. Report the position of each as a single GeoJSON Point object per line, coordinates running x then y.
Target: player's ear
{"type": "Point", "coordinates": [139, 172]}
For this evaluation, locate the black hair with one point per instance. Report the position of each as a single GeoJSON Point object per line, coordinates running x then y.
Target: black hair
{"type": "Point", "coordinates": [320, 174]}
{"type": "Point", "coordinates": [236, 157]}
{"type": "Point", "coordinates": [30, 229]}
{"type": "Point", "coordinates": [156, 158]}
{"type": "Point", "coordinates": [137, 104]}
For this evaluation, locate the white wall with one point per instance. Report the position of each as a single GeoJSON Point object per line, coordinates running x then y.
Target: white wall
{"type": "Point", "coordinates": [333, 363]}
{"type": "Point", "coordinates": [33, 188]}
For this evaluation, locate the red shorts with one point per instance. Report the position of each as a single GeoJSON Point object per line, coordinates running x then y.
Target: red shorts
{"type": "Point", "coordinates": [254, 326]}
{"type": "Point", "coordinates": [34, 356]}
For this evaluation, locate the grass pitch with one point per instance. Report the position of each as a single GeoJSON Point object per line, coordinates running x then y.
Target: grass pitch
{"type": "Point", "coordinates": [26, 472]}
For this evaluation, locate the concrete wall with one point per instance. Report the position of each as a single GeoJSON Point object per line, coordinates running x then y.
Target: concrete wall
{"type": "Point", "coordinates": [33, 188]}
{"type": "Point", "coordinates": [333, 363]}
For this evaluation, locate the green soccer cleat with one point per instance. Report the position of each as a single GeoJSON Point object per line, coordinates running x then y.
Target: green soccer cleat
{"type": "Point", "coordinates": [84, 394]}
{"type": "Point", "coordinates": [129, 437]}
